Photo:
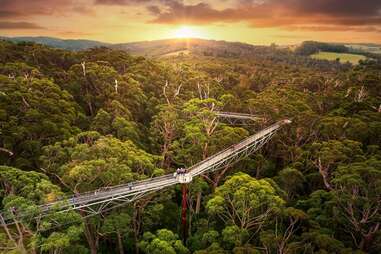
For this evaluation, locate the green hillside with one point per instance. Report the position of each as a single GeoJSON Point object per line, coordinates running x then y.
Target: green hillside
{"type": "Point", "coordinates": [59, 43]}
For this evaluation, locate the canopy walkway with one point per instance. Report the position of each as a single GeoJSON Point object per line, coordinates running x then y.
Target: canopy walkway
{"type": "Point", "coordinates": [107, 198]}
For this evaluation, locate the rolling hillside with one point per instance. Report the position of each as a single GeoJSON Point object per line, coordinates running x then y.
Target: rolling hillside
{"type": "Point", "coordinates": [195, 46]}
{"type": "Point", "coordinates": [200, 47]}
{"type": "Point", "coordinates": [155, 48]}
{"type": "Point", "coordinates": [59, 43]}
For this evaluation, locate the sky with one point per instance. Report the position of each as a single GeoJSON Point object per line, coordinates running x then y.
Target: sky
{"type": "Point", "coordinates": [251, 21]}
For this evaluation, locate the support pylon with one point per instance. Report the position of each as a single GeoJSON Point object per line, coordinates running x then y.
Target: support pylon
{"type": "Point", "coordinates": [184, 189]}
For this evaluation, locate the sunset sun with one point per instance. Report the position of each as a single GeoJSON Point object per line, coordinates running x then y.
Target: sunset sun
{"type": "Point", "coordinates": [186, 32]}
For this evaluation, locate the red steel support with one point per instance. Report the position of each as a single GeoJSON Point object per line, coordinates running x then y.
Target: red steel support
{"type": "Point", "coordinates": [184, 211]}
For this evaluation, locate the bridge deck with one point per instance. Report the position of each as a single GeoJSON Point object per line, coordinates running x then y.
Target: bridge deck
{"type": "Point", "coordinates": [131, 191]}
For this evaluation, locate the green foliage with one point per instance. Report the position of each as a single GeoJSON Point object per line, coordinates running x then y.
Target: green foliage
{"type": "Point", "coordinates": [79, 121]}
{"type": "Point", "coordinates": [335, 127]}
{"type": "Point", "coordinates": [33, 186]}
{"type": "Point", "coordinates": [281, 103]}
{"type": "Point", "coordinates": [116, 223]}
{"type": "Point", "coordinates": [89, 161]}
{"type": "Point", "coordinates": [291, 181]}
{"type": "Point", "coordinates": [164, 241]}
{"type": "Point", "coordinates": [202, 135]}
{"type": "Point", "coordinates": [311, 47]}
{"type": "Point", "coordinates": [19, 69]}
{"type": "Point", "coordinates": [234, 236]}
{"type": "Point", "coordinates": [116, 123]}
{"type": "Point", "coordinates": [33, 113]}
{"type": "Point", "coordinates": [23, 192]}
{"type": "Point", "coordinates": [60, 241]}
{"type": "Point", "coordinates": [357, 194]}
{"type": "Point", "coordinates": [245, 201]}
{"type": "Point", "coordinates": [317, 242]}
{"type": "Point", "coordinates": [213, 249]}
{"type": "Point", "coordinates": [320, 206]}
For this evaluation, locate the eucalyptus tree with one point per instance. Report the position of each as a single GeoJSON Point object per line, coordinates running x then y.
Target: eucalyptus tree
{"type": "Point", "coordinates": [245, 202]}
{"type": "Point", "coordinates": [357, 192]}
{"type": "Point", "coordinates": [90, 161]}
{"type": "Point", "coordinates": [164, 241]}
{"type": "Point", "coordinates": [22, 193]}
{"type": "Point", "coordinates": [116, 120]}
{"type": "Point", "coordinates": [33, 112]}
{"type": "Point", "coordinates": [279, 102]}
{"type": "Point", "coordinates": [327, 155]}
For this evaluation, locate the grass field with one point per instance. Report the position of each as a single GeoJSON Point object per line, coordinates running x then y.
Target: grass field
{"type": "Point", "coordinates": [177, 53]}
{"type": "Point", "coordinates": [331, 56]}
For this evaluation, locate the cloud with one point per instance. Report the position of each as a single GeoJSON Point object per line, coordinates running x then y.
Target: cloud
{"type": "Point", "coordinates": [75, 34]}
{"type": "Point", "coordinates": [18, 25]}
{"type": "Point", "coordinates": [7, 14]}
{"type": "Point", "coordinates": [325, 28]}
{"type": "Point", "coordinates": [314, 15]}
{"type": "Point", "coordinates": [121, 2]}
{"type": "Point", "coordinates": [201, 13]}
{"type": "Point", "coordinates": [153, 9]}
{"type": "Point", "coordinates": [26, 8]}
{"type": "Point", "coordinates": [274, 13]}
{"type": "Point", "coordinates": [337, 7]}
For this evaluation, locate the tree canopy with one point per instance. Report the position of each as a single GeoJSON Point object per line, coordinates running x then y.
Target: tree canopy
{"type": "Point", "coordinates": [74, 122]}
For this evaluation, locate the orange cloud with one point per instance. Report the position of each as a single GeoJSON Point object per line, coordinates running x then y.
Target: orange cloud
{"type": "Point", "coordinates": [18, 25]}
{"type": "Point", "coordinates": [273, 13]}
{"type": "Point", "coordinates": [26, 8]}
{"type": "Point", "coordinates": [324, 16]}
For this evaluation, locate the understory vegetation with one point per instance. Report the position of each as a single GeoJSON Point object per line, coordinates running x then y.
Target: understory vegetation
{"type": "Point", "coordinates": [74, 122]}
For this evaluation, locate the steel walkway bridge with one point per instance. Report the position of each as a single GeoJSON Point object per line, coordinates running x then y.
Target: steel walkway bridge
{"type": "Point", "coordinates": [107, 198]}
{"type": "Point", "coordinates": [238, 118]}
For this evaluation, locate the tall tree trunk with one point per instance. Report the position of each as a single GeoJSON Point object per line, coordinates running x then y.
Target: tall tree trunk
{"type": "Point", "coordinates": [324, 172]}
{"type": "Point", "coordinates": [136, 225]}
{"type": "Point", "coordinates": [367, 239]}
{"type": "Point", "coordinates": [198, 202]}
{"type": "Point", "coordinates": [218, 176]}
{"type": "Point", "coordinates": [91, 239]}
{"type": "Point", "coordinates": [165, 161]}
{"type": "Point", "coordinates": [190, 222]}
{"type": "Point", "coordinates": [120, 242]}
{"type": "Point", "coordinates": [20, 241]}
{"type": "Point", "coordinates": [89, 104]}
{"type": "Point", "coordinates": [7, 230]}
{"type": "Point", "coordinates": [199, 194]}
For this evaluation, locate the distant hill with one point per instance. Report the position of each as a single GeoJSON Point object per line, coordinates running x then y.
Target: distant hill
{"type": "Point", "coordinates": [366, 47]}
{"type": "Point", "coordinates": [158, 48]}
{"type": "Point", "coordinates": [313, 47]}
{"type": "Point", "coordinates": [59, 43]}
{"type": "Point", "coordinates": [173, 47]}
{"type": "Point", "coordinates": [170, 47]}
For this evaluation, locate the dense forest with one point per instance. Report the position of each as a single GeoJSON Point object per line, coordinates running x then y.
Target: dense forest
{"type": "Point", "coordinates": [74, 122]}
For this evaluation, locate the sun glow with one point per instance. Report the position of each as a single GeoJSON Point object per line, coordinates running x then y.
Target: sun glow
{"type": "Point", "coordinates": [186, 32]}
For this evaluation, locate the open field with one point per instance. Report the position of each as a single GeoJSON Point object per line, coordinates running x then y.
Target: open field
{"type": "Point", "coordinates": [344, 57]}
{"type": "Point", "coordinates": [177, 53]}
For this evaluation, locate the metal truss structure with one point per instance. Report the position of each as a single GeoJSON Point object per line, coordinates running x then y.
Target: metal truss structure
{"type": "Point", "coordinates": [105, 199]}
{"type": "Point", "coordinates": [236, 151]}
{"type": "Point", "coordinates": [237, 118]}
